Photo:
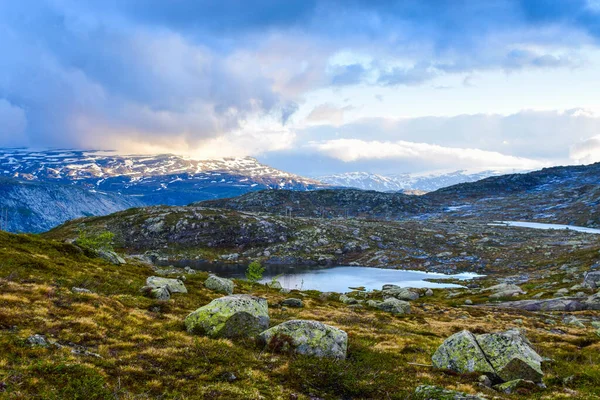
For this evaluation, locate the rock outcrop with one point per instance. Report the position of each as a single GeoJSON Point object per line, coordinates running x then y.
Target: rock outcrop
{"type": "Point", "coordinates": [394, 306]}
{"type": "Point", "coordinates": [399, 293]}
{"type": "Point", "coordinates": [306, 337]}
{"type": "Point", "coordinates": [504, 356]}
{"type": "Point", "coordinates": [230, 316]}
{"type": "Point", "coordinates": [174, 285]}
{"type": "Point", "coordinates": [592, 280]}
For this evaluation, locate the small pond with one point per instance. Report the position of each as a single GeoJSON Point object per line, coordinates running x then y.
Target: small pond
{"type": "Point", "coordinates": [336, 279]}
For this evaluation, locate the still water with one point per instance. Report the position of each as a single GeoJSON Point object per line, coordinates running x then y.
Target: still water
{"type": "Point", "coordinates": [336, 279]}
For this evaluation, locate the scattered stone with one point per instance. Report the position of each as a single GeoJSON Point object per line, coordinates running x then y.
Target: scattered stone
{"type": "Point", "coordinates": [557, 304]}
{"type": "Point", "coordinates": [230, 316]}
{"type": "Point", "coordinates": [573, 320]}
{"type": "Point", "coordinates": [429, 293]}
{"type": "Point", "coordinates": [485, 381]}
{"type": "Point", "coordinates": [512, 386]}
{"type": "Point", "coordinates": [158, 293]}
{"type": "Point", "coordinates": [561, 292]}
{"type": "Point", "coordinates": [221, 285]}
{"type": "Point", "coordinates": [348, 300]}
{"type": "Point", "coordinates": [504, 290]}
{"type": "Point", "coordinates": [80, 290]}
{"type": "Point", "coordinates": [592, 280]}
{"type": "Point", "coordinates": [82, 351]}
{"type": "Point", "coordinates": [111, 257]}
{"type": "Point", "coordinates": [37, 340]}
{"type": "Point", "coordinates": [399, 293]}
{"type": "Point", "coordinates": [275, 285]}
{"type": "Point", "coordinates": [308, 338]}
{"type": "Point", "coordinates": [229, 377]}
{"type": "Point", "coordinates": [297, 303]}
{"type": "Point", "coordinates": [373, 303]}
{"type": "Point", "coordinates": [173, 285]}
{"type": "Point", "coordinates": [469, 302]}
{"type": "Point", "coordinates": [428, 392]}
{"type": "Point", "coordinates": [394, 306]}
{"type": "Point", "coordinates": [230, 257]}
{"type": "Point", "coordinates": [284, 290]}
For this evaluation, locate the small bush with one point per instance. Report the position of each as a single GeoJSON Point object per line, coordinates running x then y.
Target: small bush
{"type": "Point", "coordinates": [255, 271]}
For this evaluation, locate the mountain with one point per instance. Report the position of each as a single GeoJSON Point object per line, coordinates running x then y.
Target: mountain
{"type": "Point", "coordinates": [404, 182]}
{"type": "Point", "coordinates": [36, 207]}
{"type": "Point", "coordinates": [155, 179]}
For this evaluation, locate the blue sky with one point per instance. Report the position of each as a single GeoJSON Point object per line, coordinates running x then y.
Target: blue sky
{"type": "Point", "coordinates": [313, 87]}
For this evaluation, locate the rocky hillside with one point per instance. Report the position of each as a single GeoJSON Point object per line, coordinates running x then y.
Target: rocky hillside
{"type": "Point", "coordinates": [156, 179]}
{"type": "Point", "coordinates": [77, 327]}
{"type": "Point", "coordinates": [566, 195]}
{"type": "Point", "coordinates": [37, 207]}
{"type": "Point", "coordinates": [327, 203]}
{"type": "Point", "coordinates": [170, 234]}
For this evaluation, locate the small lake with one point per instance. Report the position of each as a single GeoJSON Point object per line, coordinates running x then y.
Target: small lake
{"type": "Point", "coordinates": [538, 225]}
{"type": "Point", "coordinates": [336, 279]}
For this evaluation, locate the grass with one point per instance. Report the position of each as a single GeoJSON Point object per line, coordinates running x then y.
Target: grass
{"type": "Point", "coordinates": [145, 352]}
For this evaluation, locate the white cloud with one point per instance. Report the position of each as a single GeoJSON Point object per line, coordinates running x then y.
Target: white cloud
{"type": "Point", "coordinates": [586, 151]}
{"type": "Point", "coordinates": [352, 150]}
{"type": "Point", "coordinates": [13, 123]}
{"type": "Point", "coordinates": [328, 113]}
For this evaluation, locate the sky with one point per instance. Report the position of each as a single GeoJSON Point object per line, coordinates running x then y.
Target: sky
{"type": "Point", "coordinates": [312, 87]}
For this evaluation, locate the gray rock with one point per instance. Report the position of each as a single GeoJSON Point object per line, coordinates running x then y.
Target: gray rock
{"type": "Point", "coordinates": [230, 316]}
{"type": "Point", "coordinates": [275, 285]}
{"type": "Point", "coordinates": [111, 257]}
{"type": "Point", "coordinates": [348, 300]}
{"type": "Point", "coordinates": [504, 356]}
{"type": "Point", "coordinates": [461, 353]}
{"type": "Point", "coordinates": [512, 386]}
{"type": "Point", "coordinates": [592, 280]}
{"type": "Point", "coordinates": [373, 303]}
{"type": "Point", "coordinates": [221, 285]}
{"type": "Point", "coordinates": [158, 293]}
{"type": "Point", "coordinates": [399, 293]}
{"type": "Point", "coordinates": [37, 340]}
{"type": "Point", "coordinates": [297, 303]}
{"type": "Point", "coordinates": [394, 306]}
{"type": "Point", "coordinates": [469, 302]}
{"type": "Point", "coordinates": [80, 290]}
{"type": "Point", "coordinates": [429, 292]}
{"type": "Point", "coordinates": [511, 355]}
{"type": "Point", "coordinates": [307, 337]}
{"type": "Point", "coordinates": [173, 285]}
{"type": "Point", "coordinates": [428, 392]}
{"type": "Point", "coordinates": [573, 320]}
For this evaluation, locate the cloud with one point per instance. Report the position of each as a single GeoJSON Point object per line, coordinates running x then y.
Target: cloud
{"type": "Point", "coordinates": [350, 150]}
{"type": "Point", "coordinates": [328, 113]}
{"type": "Point", "coordinates": [192, 72]}
{"type": "Point", "coordinates": [13, 122]}
{"type": "Point", "coordinates": [586, 151]}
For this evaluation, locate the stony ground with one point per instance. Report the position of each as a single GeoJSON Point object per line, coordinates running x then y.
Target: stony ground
{"type": "Point", "coordinates": [114, 343]}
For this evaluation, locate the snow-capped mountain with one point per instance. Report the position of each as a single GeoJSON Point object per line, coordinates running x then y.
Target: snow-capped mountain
{"type": "Point", "coordinates": [156, 179]}
{"type": "Point", "coordinates": [406, 182]}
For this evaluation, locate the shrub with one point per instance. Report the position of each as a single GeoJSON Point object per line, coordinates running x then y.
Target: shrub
{"type": "Point", "coordinates": [255, 271]}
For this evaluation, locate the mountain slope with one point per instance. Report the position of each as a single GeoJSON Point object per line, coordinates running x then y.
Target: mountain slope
{"type": "Point", "coordinates": [404, 182]}
{"type": "Point", "coordinates": [327, 203]}
{"type": "Point", "coordinates": [157, 179]}
{"type": "Point", "coordinates": [37, 207]}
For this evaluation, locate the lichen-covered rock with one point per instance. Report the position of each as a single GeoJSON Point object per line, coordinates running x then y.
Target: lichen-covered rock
{"type": "Point", "coordinates": [80, 290]}
{"type": "Point", "coordinates": [275, 285]}
{"type": "Point", "coordinates": [37, 340]}
{"type": "Point", "coordinates": [111, 257]}
{"type": "Point", "coordinates": [461, 353]}
{"type": "Point", "coordinates": [504, 290]}
{"type": "Point", "coordinates": [306, 337]}
{"type": "Point", "coordinates": [297, 303]}
{"type": "Point", "coordinates": [373, 303]}
{"type": "Point", "coordinates": [399, 293]}
{"type": "Point", "coordinates": [592, 280]}
{"type": "Point", "coordinates": [394, 306]}
{"type": "Point", "coordinates": [158, 293]}
{"type": "Point", "coordinates": [221, 285]}
{"type": "Point", "coordinates": [428, 392]}
{"type": "Point", "coordinates": [512, 386]}
{"type": "Point", "coordinates": [174, 285]}
{"type": "Point", "coordinates": [230, 316]}
{"type": "Point", "coordinates": [511, 355]}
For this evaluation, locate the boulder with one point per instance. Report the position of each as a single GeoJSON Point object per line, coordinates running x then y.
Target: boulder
{"type": "Point", "coordinates": [307, 337]}
{"type": "Point", "coordinates": [394, 306]}
{"type": "Point", "coordinates": [230, 316]}
{"type": "Point", "coordinates": [293, 303]}
{"type": "Point", "coordinates": [158, 293]}
{"type": "Point", "coordinates": [399, 293]}
{"type": "Point", "coordinates": [173, 285]}
{"type": "Point", "coordinates": [348, 300]}
{"type": "Point", "coordinates": [504, 290]}
{"type": "Point", "coordinates": [221, 285]}
{"type": "Point", "coordinates": [80, 290]}
{"type": "Point", "coordinates": [37, 340]}
{"type": "Point", "coordinates": [511, 355]}
{"type": "Point", "coordinates": [592, 280]}
{"type": "Point", "coordinates": [504, 356]}
{"type": "Point", "coordinates": [373, 303]}
{"type": "Point", "coordinates": [557, 304]}
{"type": "Point", "coordinates": [275, 285]}
{"type": "Point", "coordinates": [429, 392]}
{"type": "Point", "coordinates": [111, 257]}
{"type": "Point", "coordinates": [461, 353]}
